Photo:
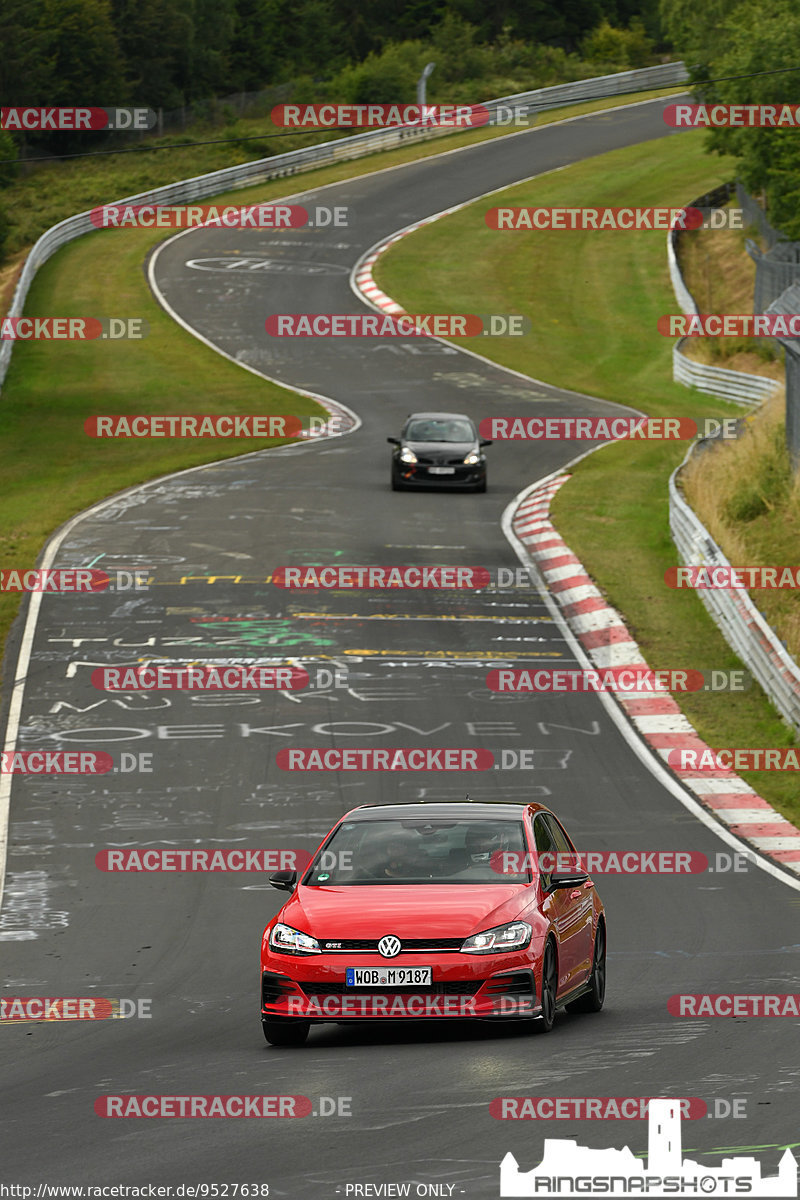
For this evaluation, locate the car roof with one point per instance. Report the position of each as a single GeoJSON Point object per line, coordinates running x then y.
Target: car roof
{"type": "Point", "coordinates": [461, 809]}
{"type": "Point", "coordinates": [426, 415]}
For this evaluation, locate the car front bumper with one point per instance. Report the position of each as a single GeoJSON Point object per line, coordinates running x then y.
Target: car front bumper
{"type": "Point", "coordinates": [420, 475]}
{"type": "Point", "coordinates": [504, 987]}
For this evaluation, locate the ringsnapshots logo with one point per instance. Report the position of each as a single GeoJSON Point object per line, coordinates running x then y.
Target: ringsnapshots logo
{"type": "Point", "coordinates": [570, 1170]}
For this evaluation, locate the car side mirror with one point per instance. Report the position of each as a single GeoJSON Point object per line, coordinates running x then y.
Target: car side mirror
{"type": "Point", "coordinates": [284, 881]}
{"type": "Point", "coordinates": [485, 441]}
{"type": "Point", "coordinates": [394, 441]}
{"type": "Point", "coordinates": [573, 879]}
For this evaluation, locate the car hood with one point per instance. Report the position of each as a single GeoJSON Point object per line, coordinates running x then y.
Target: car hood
{"type": "Point", "coordinates": [406, 910]}
{"type": "Point", "coordinates": [449, 449]}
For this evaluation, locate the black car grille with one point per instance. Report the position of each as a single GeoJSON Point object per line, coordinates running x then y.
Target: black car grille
{"type": "Point", "coordinates": [274, 986]}
{"type": "Point", "coordinates": [409, 945]}
{"type": "Point", "coordinates": [516, 983]}
{"type": "Point", "coordinates": [446, 987]}
{"type": "Point", "coordinates": [427, 461]}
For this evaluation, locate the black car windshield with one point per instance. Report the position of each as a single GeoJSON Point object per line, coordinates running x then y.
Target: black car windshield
{"type": "Point", "coordinates": [434, 429]}
{"type": "Point", "coordinates": [422, 851]}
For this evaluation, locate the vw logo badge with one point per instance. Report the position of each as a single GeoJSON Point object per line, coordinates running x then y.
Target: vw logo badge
{"type": "Point", "coordinates": [389, 946]}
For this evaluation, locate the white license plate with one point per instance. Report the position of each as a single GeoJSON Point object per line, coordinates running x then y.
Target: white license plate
{"type": "Point", "coordinates": [441, 470]}
{"type": "Point", "coordinates": [388, 976]}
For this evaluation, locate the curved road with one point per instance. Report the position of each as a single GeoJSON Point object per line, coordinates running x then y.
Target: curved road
{"type": "Point", "coordinates": [419, 1096]}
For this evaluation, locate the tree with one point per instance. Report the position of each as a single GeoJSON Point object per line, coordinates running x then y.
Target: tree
{"type": "Point", "coordinates": [761, 36]}
{"type": "Point", "coordinates": [26, 63]}
{"type": "Point", "coordinates": [79, 40]}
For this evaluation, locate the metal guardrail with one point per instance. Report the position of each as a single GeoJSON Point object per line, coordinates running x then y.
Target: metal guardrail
{"type": "Point", "coordinates": [735, 614]}
{"type": "Point", "coordinates": [738, 386]}
{"type": "Point", "coordinates": [280, 165]}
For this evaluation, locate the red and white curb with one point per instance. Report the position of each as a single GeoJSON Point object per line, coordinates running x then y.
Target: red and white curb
{"type": "Point", "coordinates": [363, 278]}
{"type": "Point", "coordinates": [602, 632]}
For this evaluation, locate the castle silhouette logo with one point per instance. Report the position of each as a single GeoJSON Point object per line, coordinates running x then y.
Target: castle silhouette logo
{"type": "Point", "coordinates": [568, 1169]}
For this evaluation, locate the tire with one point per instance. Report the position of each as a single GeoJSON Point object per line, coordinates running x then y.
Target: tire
{"type": "Point", "coordinates": [396, 485]}
{"type": "Point", "coordinates": [549, 989]}
{"type": "Point", "coordinates": [592, 1001]}
{"type": "Point", "coordinates": [285, 1032]}
{"type": "Point", "coordinates": [481, 487]}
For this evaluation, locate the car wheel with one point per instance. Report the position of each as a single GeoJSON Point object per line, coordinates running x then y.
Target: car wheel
{"type": "Point", "coordinates": [396, 484]}
{"type": "Point", "coordinates": [285, 1032]}
{"type": "Point", "coordinates": [549, 990]}
{"type": "Point", "coordinates": [592, 1001]}
{"type": "Point", "coordinates": [481, 487]}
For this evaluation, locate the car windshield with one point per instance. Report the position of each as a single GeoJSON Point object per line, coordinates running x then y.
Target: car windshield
{"type": "Point", "coordinates": [421, 851]}
{"type": "Point", "coordinates": [435, 429]}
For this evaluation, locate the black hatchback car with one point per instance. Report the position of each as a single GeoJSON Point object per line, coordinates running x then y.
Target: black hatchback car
{"type": "Point", "coordinates": [438, 449]}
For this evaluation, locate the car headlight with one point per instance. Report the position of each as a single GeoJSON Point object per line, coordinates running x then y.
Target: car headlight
{"type": "Point", "coordinates": [286, 940]}
{"type": "Point", "coordinates": [514, 936]}
{"type": "Point", "coordinates": [407, 456]}
{"type": "Point", "coordinates": [472, 458]}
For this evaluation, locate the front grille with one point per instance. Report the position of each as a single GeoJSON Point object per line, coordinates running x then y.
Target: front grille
{"type": "Point", "coordinates": [409, 945]}
{"type": "Point", "coordinates": [446, 987]}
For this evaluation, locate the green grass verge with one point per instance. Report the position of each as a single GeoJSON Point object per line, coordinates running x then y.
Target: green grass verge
{"type": "Point", "coordinates": [51, 469]}
{"type": "Point", "coordinates": [594, 299]}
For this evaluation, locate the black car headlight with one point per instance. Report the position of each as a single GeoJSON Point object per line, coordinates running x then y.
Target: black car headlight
{"type": "Point", "coordinates": [472, 458]}
{"type": "Point", "coordinates": [286, 940]}
{"type": "Point", "coordinates": [516, 935]}
{"type": "Point", "coordinates": [407, 456]}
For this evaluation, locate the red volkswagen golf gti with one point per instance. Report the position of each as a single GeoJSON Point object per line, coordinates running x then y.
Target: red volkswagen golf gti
{"type": "Point", "coordinates": [459, 910]}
